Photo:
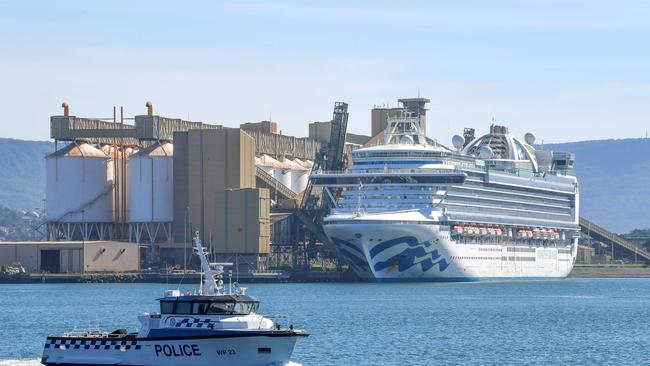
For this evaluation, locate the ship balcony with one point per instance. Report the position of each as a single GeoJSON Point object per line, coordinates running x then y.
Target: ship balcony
{"type": "Point", "coordinates": [387, 176]}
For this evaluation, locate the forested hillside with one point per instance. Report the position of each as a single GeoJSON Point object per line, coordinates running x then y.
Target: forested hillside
{"type": "Point", "coordinates": [22, 173]}
{"type": "Point", "coordinates": [614, 181]}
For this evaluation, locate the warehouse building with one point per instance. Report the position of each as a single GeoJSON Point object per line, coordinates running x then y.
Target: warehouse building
{"type": "Point", "coordinates": [72, 256]}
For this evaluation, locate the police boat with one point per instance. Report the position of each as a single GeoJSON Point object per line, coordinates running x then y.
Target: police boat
{"type": "Point", "coordinates": [209, 327]}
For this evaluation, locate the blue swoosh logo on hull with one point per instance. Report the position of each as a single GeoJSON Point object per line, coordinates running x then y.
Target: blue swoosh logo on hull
{"type": "Point", "coordinates": [409, 257]}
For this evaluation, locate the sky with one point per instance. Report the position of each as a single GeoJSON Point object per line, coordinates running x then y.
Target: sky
{"type": "Point", "coordinates": [566, 70]}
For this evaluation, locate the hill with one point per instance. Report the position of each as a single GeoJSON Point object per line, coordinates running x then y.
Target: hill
{"type": "Point", "coordinates": [16, 225]}
{"type": "Point", "coordinates": [22, 181]}
{"type": "Point", "coordinates": [614, 177]}
{"type": "Point", "coordinates": [614, 181]}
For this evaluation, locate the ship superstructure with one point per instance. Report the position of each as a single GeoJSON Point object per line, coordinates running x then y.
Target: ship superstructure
{"type": "Point", "coordinates": [493, 207]}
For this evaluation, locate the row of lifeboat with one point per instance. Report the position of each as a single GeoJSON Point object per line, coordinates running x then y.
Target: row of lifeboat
{"type": "Point", "coordinates": [478, 230]}
{"type": "Point", "coordinates": [535, 233]}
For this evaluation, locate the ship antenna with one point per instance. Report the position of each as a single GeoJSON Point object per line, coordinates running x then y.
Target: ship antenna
{"type": "Point", "coordinates": [209, 285]}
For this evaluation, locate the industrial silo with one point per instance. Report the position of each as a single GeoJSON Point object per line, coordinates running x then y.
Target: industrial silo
{"type": "Point", "coordinates": [299, 176]}
{"type": "Point", "coordinates": [151, 191]}
{"type": "Point", "coordinates": [120, 158]}
{"type": "Point", "coordinates": [79, 185]}
{"type": "Point", "coordinates": [282, 172]}
{"type": "Point", "coordinates": [267, 163]}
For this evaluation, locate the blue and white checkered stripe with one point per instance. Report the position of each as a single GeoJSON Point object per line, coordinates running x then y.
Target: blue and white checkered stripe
{"type": "Point", "coordinates": [193, 323]}
{"type": "Point", "coordinates": [92, 344]}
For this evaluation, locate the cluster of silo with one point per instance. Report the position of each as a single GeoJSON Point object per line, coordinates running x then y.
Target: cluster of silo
{"type": "Point", "coordinates": [300, 176]}
{"type": "Point", "coordinates": [79, 191]}
{"type": "Point", "coordinates": [120, 157]}
{"type": "Point", "coordinates": [292, 173]}
{"type": "Point", "coordinates": [151, 190]}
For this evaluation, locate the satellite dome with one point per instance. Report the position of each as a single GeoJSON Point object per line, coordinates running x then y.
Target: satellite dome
{"type": "Point", "coordinates": [406, 140]}
{"type": "Point", "coordinates": [485, 152]}
{"type": "Point", "coordinates": [529, 138]}
{"type": "Point", "coordinates": [458, 141]}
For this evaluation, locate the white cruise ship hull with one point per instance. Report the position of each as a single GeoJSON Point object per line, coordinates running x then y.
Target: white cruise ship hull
{"type": "Point", "coordinates": [389, 251]}
{"type": "Point", "coordinates": [273, 349]}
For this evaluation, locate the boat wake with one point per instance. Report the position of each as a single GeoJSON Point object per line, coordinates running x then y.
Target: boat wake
{"type": "Point", "coordinates": [21, 362]}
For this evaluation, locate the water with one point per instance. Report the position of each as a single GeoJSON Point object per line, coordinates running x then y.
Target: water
{"type": "Point", "coordinates": [575, 321]}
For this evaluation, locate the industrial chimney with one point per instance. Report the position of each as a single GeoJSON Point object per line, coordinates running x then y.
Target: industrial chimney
{"type": "Point", "coordinates": [66, 109]}
{"type": "Point", "coordinates": [149, 108]}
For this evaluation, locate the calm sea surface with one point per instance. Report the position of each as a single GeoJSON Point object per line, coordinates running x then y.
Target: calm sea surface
{"type": "Point", "coordinates": [575, 321]}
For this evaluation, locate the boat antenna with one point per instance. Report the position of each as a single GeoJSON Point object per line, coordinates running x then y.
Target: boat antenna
{"type": "Point", "coordinates": [209, 285]}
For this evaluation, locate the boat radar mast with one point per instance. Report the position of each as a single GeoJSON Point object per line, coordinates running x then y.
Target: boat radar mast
{"type": "Point", "coordinates": [404, 130]}
{"type": "Point", "coordinates": [212, 273]}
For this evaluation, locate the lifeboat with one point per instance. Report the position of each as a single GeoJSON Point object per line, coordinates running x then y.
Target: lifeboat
{"type": "Point", "coordinates": [543, 234]}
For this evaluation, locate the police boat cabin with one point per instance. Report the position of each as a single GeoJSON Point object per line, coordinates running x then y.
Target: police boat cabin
{"type": "Point", "coordinates": [209, 327]}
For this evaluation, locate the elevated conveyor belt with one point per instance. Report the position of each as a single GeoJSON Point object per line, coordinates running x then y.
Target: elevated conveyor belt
{"type": "Point", "coordinates": [274, 183]}
{"type": "Point", "coordinates": [602, 235]}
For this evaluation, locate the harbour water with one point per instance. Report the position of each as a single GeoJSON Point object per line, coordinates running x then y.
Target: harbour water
{"type": "Point", "coordinates": [573, 321]}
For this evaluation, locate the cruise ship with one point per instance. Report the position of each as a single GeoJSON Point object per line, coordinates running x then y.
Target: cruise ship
{"type": "Point", "coordinates": [490, 208]}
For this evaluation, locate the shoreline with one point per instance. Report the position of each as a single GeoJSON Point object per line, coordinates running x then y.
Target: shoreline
{"type": "Point", "coordinates": [610, 271]}
{"type": "Point", "coordinates": [579, 271]}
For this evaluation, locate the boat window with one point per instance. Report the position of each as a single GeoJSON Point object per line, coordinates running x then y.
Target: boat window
{"type": "Point", "coordinates": [183, 307]}
{"type": "Point", "coordinates": [166, 307]}
{"type": "Point", "coordinates": [243, 308]}
{"type": "Point", "coordinates": [199, 308]}
{"type": "Point", "coordinates": [221, 308]}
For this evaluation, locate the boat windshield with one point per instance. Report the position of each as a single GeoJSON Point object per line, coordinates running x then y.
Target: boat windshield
{"type": "Point", "coordinates": [208, 307]}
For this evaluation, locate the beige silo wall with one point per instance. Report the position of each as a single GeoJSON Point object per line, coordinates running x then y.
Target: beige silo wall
{"type": "Point", "coordinates": [242, 221]}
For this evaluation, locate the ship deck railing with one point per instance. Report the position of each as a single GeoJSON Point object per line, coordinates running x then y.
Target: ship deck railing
{"type": "Point", "coordinates": [389, 171]}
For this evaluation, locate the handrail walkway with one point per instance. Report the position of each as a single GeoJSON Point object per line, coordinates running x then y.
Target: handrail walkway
{"type": "Point", "coordinates": [600, 234]}
{"type": "Point", "coordinates": [274, 183]}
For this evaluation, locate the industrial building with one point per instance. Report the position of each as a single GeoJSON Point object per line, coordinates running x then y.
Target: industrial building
{"type": "Point", "coordinates": [72, 256]}
{"type": "Point", "coordinates": [159, 180]}
{"type": "Point", "coordinates": [151, 182]}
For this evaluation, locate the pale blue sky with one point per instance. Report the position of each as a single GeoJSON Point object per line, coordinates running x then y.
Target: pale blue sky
{"type": "Point", "coordinates": [566, 70]}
